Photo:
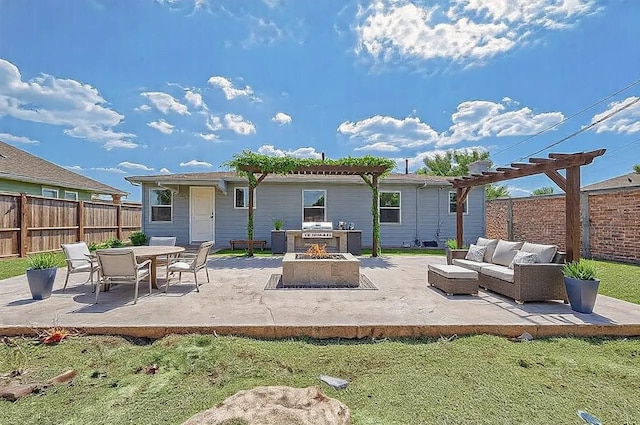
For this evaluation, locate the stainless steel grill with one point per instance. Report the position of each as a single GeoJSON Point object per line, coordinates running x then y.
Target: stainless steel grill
{"type": "Point", "coordinates": [317, 230]}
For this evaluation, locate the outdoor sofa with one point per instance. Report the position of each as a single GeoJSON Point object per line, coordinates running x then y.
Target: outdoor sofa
{"type": "Point", "coordinates": [519, 270]}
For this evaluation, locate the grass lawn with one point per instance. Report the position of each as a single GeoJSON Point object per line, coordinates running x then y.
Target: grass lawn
{"type": "Point", "coordinates": [11, 267]}
{"type": "Point", "coordinates": [471, 380]}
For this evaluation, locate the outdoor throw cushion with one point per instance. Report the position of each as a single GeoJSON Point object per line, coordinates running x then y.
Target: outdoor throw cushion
{"type": "Point", "coordinates": [491, 247]}
{"type": "Point", "coordinates": [544, 253]}
{"type": "Point", "coordinates": [475, 253]}
{"type": "Point", "coordinates": [505, 251]}
{"type": "Point", "coordinates": [523, 257]}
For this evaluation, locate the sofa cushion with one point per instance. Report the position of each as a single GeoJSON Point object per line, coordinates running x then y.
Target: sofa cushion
{"type": "Point", "coordinates": [491, 247]}
{"type": "Point", "coordinates": [475, 253]}
{"type": "Point", "coordinates": [505, 251]}
{"type": "Point", "coordinates": [523, 257]}
{"type": "Point", "coordinates": [545, 253]}
{"type": "Point", "coordinates": [471, 265]}
{"type": "Point", "coordinates": [499, 272]}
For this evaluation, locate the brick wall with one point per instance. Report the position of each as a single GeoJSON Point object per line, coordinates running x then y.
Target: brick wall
{"type": "Point", "coordinates": [613, 228]}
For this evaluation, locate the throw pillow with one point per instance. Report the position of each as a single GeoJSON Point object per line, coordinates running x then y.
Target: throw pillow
{"type": "Point", "coordinates": [523, 257]}
{"type": "Point", "coordinates": [491, 247]}
{"type": "Point", "coordinates": [476, 253]}
{"type": "Point", "coordinates": [545, 253]}
{"type": "Point", "coordinates": [505, 251]}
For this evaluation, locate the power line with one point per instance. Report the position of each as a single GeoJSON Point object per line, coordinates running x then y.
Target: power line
{"type": "Point", "coordinates": [583, 129]}
{"type": "Point", "coordinates": [627, 87]}
{"type": "Point", "coordinates": [609, 154]}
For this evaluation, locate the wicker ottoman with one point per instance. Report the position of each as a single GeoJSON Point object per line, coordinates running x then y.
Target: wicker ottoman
{"type": "Point", "coordinates": [453, 279]}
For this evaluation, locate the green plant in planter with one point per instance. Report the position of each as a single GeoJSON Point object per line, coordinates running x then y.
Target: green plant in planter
{"type": "Point", "coordinates": [45, 260]}
{"type": "Point", "coordinates": [138, 238]}
{"type": "Point", "coordinates": [581, 283]}
{"type": "Point", "coordinates": [278, 223]}
{"type": "Point", "coordinates": [581, 270]}
{"type": "Point", "coordinates": [41, 273]}
{"type": "Point", "coordinates": [452, 244]}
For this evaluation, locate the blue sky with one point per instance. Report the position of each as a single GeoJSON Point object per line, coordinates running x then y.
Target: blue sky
{"type": "Point", "coordinates": [116, 88]}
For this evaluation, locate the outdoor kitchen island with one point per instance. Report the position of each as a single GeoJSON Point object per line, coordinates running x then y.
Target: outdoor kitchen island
{"type": "Point", "coordinates": [323, 233]}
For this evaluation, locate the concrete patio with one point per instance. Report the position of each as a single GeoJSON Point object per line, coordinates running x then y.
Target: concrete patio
{"type": "Point", "coordinates": [236, 303]}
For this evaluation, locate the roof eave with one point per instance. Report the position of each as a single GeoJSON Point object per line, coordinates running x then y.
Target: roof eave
{"type": "Point", "coordinates": [61, 184]}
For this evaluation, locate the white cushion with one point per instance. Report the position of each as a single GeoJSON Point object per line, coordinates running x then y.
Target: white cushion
{"type": "Point", "coordinates": [475, 253]}
{"type": "Point", "coordinates": [180, 267]}
{"type": "Point", "coordinates": [523, 257]}
{"type": "Point", "coordinates": [472, 265]}
{"type": "Point", "coordinates": [499, 272]}
{"type": "Point", "coordinates": [505, 251]}
{"type": "Point", "coordinates": [142, 273]}
{"type": "Point", "coordinates": [491, 247]}
{"type": "Point", "coordinates": [544, 253]}
{"type": "Point", "coordinates": [453, 272]}
{"type": "Point", "coordinates": [82, 268]}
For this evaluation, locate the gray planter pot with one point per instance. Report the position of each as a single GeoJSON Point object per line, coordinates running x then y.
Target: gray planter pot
{"type": "Point", "coordinates": [41, 282]}
{"type": "Point", "coordinates": [582, 294]}
{"type": "Point", "coordinates": [278, 242]}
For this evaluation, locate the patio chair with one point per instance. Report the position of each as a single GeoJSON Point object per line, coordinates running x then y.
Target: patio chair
{"type": "Point", "coordinates": [119, 265]}
{"type": "Point", "coordinates": [190, 263]}
{"type": "Point", "coordinates": [162, 260]}
{"type": "Point", "coordinates": [79, 260]}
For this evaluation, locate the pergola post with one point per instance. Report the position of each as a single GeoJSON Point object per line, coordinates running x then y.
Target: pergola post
{"type": "Point", "coordinates": [459, 217]}
{"type": "Point", "coordinates": [572, 214]}
{"type": "Point", "coordinates": [375, 249]}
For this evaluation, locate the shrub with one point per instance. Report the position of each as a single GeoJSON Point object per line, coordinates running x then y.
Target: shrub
{"type": "Point", "coordinates": [45, 260]}
{"type": "Point", "coordinates": [278, 223]}
{"type": "Point", "coordinates": [109, 243]}
{"type": "Point", "coordinates": [452, 244]}
{"type": "Point", "coordinates": [583, 270]}
{"type": "Point", "coordinates": [138, 238]}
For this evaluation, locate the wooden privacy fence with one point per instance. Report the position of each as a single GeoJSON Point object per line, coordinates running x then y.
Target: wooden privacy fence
{"type": "Point", "coordinates": [30, 224]}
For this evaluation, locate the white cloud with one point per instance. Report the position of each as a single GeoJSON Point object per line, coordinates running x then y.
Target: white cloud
{"type": "Point", "coordinates": [230, 91]}
{"type": "Point", "coordinates": [110, 139]}
{"type": "Point", "coordinates": [64, 102]}
{"type": "Point", "coordinates": [464, 31]}
{"type": "Point", "coordinates": [134, 166]}
{"type": "Point", "coordinates": [239, 125]}
{"type": "Point", "coordinates": [165, 103]}
{"type": "Point", "coordinates": [479, 119]}
{"type": "Point", "coordinates": [143, 108]}
{"type": "Point", "coordinates": [194, 163]}
{"type": "Point", "coordinates": [164, 171]}
{"type": "Point", "coordinates": [308, 152]}
{"type": "Point", "coordinates": [162, 126]}
{"type": "Point", "coordinates": [6, 137]}
{"type": "Point", "coordinates": [417, 161]}
{"type": "Point", "coordinates": [389, 134]}
{"type": "Point", "coordinates": [264, 32]}
{"type": "Point", "coordinates": [109, 170]}
{"type": "Point", "coordinates": [281, 118]}
{"type": "Point", "coordinates": [194, 99]}
{"type": "Point", "coordinates": [214, 123]}
{"type": "Point", "coordinates": [626, 122]}
{"type": "Point", "coordinates": [73, 167]}
{"type": "Point", "coordinates": [208, 136]}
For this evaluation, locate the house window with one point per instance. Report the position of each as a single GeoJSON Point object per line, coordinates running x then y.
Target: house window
{"type": "Point", "coordinates": [49, 193]}
{"type": "Point", "coordinates": [314, 205]}
{"type": "Point", "coordinates": [73, 196]}
{"type": "Point", "coordinates": [161, 205]}
{"type": "Point", "coordinates": [453, 203]}
{"type": "Point", "coordinates": [241, 198]}
{"type": "Point", "coordinates": [389, 207]}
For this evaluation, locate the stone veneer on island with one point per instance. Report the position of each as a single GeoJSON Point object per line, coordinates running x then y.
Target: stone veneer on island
{"type": "Point", "coordinates": [341, 272]}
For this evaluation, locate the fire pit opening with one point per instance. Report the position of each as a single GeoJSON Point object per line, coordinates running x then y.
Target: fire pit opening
{"type": "Point", "coordinates": [318, 252]}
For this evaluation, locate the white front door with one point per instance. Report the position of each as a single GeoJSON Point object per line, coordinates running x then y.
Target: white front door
{"type": "Point", "coordinates": [202, 214]}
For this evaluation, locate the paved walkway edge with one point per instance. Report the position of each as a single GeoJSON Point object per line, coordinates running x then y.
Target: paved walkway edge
{"type": "Point", "coordinates": [349, 332]}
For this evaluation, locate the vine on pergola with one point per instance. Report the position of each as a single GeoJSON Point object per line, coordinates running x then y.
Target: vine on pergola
{"type": "Point", "coordinates": [369, 168]}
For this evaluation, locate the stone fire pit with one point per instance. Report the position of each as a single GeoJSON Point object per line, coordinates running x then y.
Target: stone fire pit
{"type": "Point", "coordinates": [338, 270]}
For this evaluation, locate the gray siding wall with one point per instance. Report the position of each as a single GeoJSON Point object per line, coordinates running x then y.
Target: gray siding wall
{"type": "Point", "coordinates": [424, 213]}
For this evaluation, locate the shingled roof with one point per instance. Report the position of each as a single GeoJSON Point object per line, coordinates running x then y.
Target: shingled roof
{"type": "Point", "coordinates": [18, 165]}
{"type": "Point", "coordinates": [626, 181]}
{"type": "Point", "coordinates": [231, 176]}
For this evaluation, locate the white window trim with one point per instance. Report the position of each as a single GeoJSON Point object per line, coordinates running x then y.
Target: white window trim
{"type": "Point", "coordinates": [399, 208]}
{"type": "Point", "coordinates": [51, 189]}
{"type": "Point", "coordinates": [466, 201]}
{"type": "Point", "coordinates": [247, 190]}
{"type": "Point", "coordinates": [151, 206]}
{"type": "Point", "coordinates": [68, 191]}
{"type": "Point", "coordinates": [324, 218]}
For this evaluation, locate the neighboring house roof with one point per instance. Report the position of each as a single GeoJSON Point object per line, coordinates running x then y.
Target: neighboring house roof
{"type": "Point", "coordinates": [231, 176]}
{"type": "Point", "coordinates": [626, 181]}
{"type": "Point", "coordinates": [18, 165]}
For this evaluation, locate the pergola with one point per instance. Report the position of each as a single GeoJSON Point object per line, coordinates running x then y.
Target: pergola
{"type": "Point", "coordinates": [370, 175]}
{"type": "Point", "coordinates": [570, 184]}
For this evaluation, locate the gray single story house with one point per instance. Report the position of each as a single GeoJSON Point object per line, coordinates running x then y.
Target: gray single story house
{"type": "Point", "coordinates": [414, 209]}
